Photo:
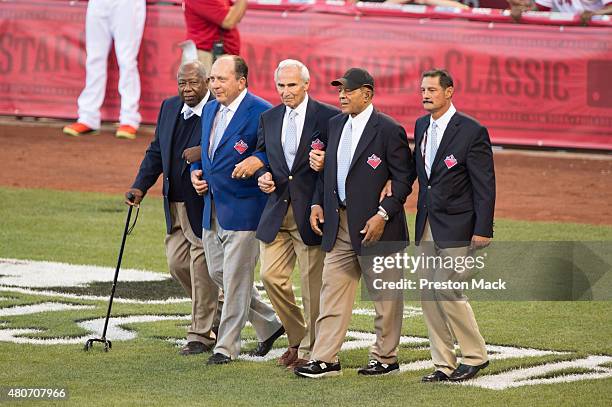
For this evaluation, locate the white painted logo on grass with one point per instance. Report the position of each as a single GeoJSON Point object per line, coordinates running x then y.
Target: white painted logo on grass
{"type": "Point", "coordinates": [20, 276]}
{"type": "Point", "coordinates": [40, 274]}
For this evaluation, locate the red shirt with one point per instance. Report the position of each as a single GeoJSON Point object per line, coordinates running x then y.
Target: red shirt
{"type": "Point", "coordinates": [203, 19]}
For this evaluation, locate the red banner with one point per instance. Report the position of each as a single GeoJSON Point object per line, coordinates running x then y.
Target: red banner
{"type": "Point", "coordinates": [529, 84]}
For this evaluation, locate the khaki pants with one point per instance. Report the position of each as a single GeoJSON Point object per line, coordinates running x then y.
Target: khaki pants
{"type": "Point", "coordinates": [277, 262]}
{"type": "Point", "coordinates": [447, 313]}
{"type": "Point", "coordinates": [185, 255]}
{"type": "Point", "coordinates": [341, 273]}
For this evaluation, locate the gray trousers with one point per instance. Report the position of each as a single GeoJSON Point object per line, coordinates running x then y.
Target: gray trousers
{"type": "Point", "coordinates": [231, 257]}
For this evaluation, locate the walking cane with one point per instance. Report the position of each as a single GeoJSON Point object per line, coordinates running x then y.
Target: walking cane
{"type": "Point", "coordinates": [126, 231]}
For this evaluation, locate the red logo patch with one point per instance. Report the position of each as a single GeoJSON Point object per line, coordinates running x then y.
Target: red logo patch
{"type": "Point", "coordinates": [374, 161]}
{"type": "Point", "coordinates": [241, 147]}
{"type": "Point", "coordinates": [317, 144]}
{"type": "Point", "coordinates": [450, 161]}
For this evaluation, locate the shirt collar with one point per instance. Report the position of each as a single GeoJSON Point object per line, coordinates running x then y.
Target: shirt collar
{"type": "Point", "coordinates": [197, 109]}
{"type": "Point", "coordinates": [443, 121]}
{"type": "Point", "coordinates": [362, 118]}
{"type": "Point", "coordinates": [234, 105]}
{"type": "Point", "coordinates": [300, 110]}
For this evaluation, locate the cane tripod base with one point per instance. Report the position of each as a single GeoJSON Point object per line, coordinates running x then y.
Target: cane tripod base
{"type": "Point", "coordinates": [89, 344]}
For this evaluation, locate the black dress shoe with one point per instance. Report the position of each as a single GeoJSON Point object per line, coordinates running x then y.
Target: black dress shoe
{"type": "Point", "coordinates": [436, 376]}
{"type": "Point", "coordinates": [316, 368]}
{"type": "Point", "coordinates": [264, 347]}
{"type": "Point", "coordinates": [375, 368]}
{"type": "Point", "coordinates": [465, 372]}
{"type": "Point", "coordinates": [218, 359]}
{"type": "Point", "coordinates": [194, 348]}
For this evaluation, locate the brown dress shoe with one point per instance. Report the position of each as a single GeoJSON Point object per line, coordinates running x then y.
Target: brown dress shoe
{"type": "Point", "coordinates": [290, 355]}
{"type": "Point", "coordinates": [297, 363]}
{"type": "Point", "coordinates": [194, 348]}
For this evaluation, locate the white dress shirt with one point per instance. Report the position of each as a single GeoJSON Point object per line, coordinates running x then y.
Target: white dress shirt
{"type": "Point", "coordinates": [358, 124]}
{"type": "Point", "coordinates": [300, 117]}
{"type": "Point", "coordinates": [187, 111]}
{"type": "Point", "coordinates": [233, 107]}
{"type": "Point", "coordinates": [441, 124]}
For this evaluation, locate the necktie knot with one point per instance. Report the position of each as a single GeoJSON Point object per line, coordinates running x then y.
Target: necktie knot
{"type": "Point", "coordinates": [292, 114]}
{"type": "Point", "coordinates": [188, 113]}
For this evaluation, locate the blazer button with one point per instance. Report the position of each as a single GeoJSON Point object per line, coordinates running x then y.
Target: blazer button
{"type": "Point", "coordinates": [336, 210]}
{"type": "Point", "coordinates": [428, 186]}
{"type": "Point", "coordinates": [290, 177]}
{"type": "Point", "coordinates": [285, 201]}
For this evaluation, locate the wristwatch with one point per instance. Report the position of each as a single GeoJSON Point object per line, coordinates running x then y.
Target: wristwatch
{"type": "Point", "coordinates": [382, 213]}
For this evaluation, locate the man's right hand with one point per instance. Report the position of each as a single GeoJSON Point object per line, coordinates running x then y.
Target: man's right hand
{"type": "Point", "coordinates": [266, 183]}
{"type": "Point", "coordinates": [138, 195]}
{"type": "Point", "coordinates": [192, 154]}
{"type": "Point", "coordinates": [316, 218]}
{"type": "Point", "coordinates": [198, 183]}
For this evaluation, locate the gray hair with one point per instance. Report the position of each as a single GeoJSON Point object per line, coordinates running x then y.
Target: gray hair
{"type": "Point", "coordinates": [197, 65]}
{"type": "Point", "coordinates": [292, 62]}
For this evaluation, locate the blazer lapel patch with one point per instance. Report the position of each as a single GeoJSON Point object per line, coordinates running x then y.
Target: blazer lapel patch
{"type": "Point", "coordinates": [450, 161]}
{"type": "Point", "coordinates": [241, 146]}
{"type": "Point", "coordinates": [374, 161]}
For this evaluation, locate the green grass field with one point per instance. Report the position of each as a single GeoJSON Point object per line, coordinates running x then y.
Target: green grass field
{"type": "Point", "coordinates": [85, 228]}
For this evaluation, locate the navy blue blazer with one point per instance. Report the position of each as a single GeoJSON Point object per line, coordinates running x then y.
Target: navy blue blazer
{"type": "Point", "coordinates": [293, 185]}
{"type": "Point", "coordinates": [382, 153]}
{"type": "Point", "coordinates": [157, 160]}
{"type": "Point", "coordinates": [459, 196]}
{"type": "Point", "coordinates": [238, 202]}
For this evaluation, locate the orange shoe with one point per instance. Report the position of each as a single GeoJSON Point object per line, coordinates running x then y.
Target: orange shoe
{"type": "Point", "coordinates": [78, 129]}
{"type": "Point", "coordinates": [126, 131]}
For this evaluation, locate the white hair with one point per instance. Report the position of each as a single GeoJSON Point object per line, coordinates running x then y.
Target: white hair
{"type": "Point", "coordinates": [197, 65]}
{"type": "Point", "coordinates": [292, 62]}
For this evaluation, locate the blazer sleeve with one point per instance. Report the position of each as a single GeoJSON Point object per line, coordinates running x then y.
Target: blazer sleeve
{"type": "Point", "coordinates": [482, 176]}
{"type": "Point", "coordinates": [401, 168]}
{"type": "Point", "coordinates": [151, 165]}
{"type": "Point", "coordinates": [413, 174]}
{"type": "Point", "coordinates": [260, 149]}
{"type": "Point", "coordinates": [317, 196]}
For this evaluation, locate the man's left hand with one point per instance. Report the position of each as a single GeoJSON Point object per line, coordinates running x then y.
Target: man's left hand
{"type": "Point", "coordinates": [479, 242]}
{"type": "Point", "coordinates": [386, 191]}
{"type": "Point", "coordinates": [373, 230]}
{"type": "Point", "coordinates": [246, 168]}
